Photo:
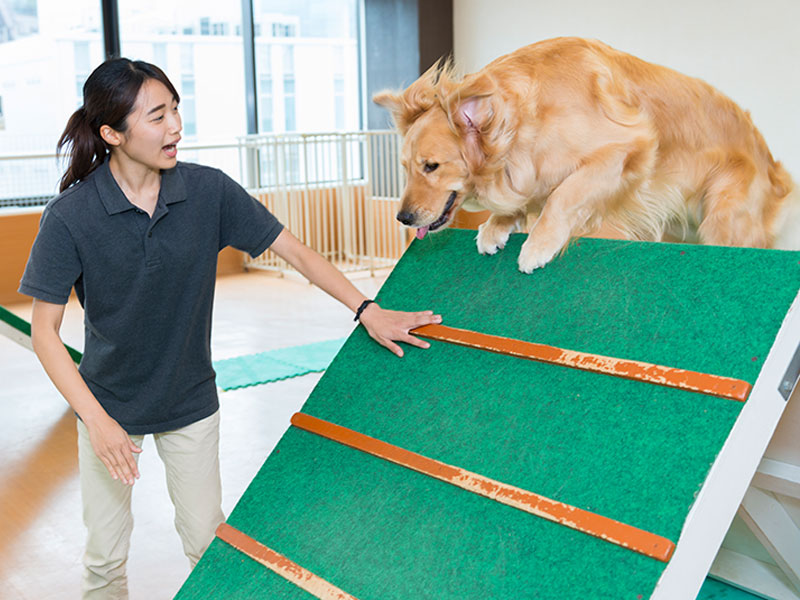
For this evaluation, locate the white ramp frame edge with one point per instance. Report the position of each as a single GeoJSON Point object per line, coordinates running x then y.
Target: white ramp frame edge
{"type": "Point", "coordinates": [726, 484]}
{"type": "Point", "coordinates": [15, 335]}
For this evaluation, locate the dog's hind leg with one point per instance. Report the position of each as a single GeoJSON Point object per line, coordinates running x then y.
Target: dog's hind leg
{"type": "Point", "coordinates": [608, 172]}
{"type": "Point", "coordinates": [494, 232]}
{"type": "Point", "coordinates": [734, 206]}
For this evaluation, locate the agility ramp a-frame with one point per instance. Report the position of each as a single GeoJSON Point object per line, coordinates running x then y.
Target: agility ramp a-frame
{"type": "Point", "coordinates": [608, 467]}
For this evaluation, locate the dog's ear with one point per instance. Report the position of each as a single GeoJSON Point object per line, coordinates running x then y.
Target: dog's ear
{"type": "Point", "coordinates": [481, 116]}
{"type": "Point", "coordinates": [408, 105]}
{"type": "Point", "coordinates": [471, 118]}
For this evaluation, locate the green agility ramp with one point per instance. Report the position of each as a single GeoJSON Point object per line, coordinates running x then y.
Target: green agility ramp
{"type": "Point", "coordinates": [666, 461]}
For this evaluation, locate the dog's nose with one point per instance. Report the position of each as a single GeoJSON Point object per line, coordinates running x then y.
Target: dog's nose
{"type": "Point", "coordinates": [406, 218]}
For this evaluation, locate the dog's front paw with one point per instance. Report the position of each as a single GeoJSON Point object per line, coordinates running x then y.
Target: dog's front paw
{"type": "Point", "coordinates": [532, 256]}
{"type": "Point", "coordinates": [491, 239]}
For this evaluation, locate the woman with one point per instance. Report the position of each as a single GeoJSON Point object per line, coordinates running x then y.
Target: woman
{"type": "Point", "coordinates": [137, 235]}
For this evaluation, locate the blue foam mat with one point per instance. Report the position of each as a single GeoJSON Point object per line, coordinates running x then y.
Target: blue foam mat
{"type": "Point", "coordinates": [274, 365]}
{"type": "Point", "coordinates": [717, 590]}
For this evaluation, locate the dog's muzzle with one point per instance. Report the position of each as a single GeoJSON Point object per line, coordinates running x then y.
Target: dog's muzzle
{"type": "Point", "coordinates": [445, 213]}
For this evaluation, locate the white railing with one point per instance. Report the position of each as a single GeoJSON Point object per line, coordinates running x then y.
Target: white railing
{"type": "Point", "coordinates": [337, 192]}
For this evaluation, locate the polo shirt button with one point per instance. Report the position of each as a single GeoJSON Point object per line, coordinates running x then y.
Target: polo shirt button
{"type": "Point", "coordinates": [149, 234]}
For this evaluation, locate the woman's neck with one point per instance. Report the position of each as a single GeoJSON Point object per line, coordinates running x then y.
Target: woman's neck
{"type": "Point", "coordinates": [138, 182]}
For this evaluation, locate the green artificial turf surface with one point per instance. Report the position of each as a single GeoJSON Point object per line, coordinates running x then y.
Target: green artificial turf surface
{"type": "Point", "coordinates": [628, 450]}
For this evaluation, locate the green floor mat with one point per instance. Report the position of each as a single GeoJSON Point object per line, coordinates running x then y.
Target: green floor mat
{"type": "Point", "coordinates": [274, 365]}
{"type": "Point", "coordinates": [717, 590]}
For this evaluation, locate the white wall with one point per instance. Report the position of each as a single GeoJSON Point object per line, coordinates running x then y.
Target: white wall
{"type": "Point", "coordinates": [749, 49]}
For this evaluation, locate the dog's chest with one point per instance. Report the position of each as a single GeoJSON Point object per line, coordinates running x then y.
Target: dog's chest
{"type": "Point", "coordinates": [505, 198]}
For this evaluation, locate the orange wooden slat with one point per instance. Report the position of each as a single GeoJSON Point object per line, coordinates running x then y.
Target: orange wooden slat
{"type": "Point", "coordinates": [279, 564]}
{"type": "Point", "coordinates": [610, 530]}
{"type": "Point", "coordinates": [715, 385]}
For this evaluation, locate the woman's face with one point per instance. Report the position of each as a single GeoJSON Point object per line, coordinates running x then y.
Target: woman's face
{"type": "Point", "coordinates": [153, 130]}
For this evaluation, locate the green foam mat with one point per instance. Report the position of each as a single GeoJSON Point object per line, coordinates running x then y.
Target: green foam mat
{"type": "Point", "coordinates": [624, 449]}
{"type": "Point", "coordinates": [717, 590]}
{"type": "Point", "coordinates": [274, 365]}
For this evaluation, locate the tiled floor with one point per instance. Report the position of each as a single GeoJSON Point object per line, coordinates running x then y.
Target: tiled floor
{"type": "Point", "coordinates": [41, 532]}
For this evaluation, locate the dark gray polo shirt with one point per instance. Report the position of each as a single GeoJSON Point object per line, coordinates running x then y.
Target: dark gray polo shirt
{"type": "Point", "coordinates": [146, 286]}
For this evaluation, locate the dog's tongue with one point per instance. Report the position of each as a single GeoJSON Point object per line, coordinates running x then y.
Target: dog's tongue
{"type": "Point", "coordinates": [421, 232]}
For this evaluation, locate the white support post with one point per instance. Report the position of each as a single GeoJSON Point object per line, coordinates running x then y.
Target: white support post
{"type": "Point", "coordinates": [775, 529]}
{"type": "Point", "coordinates": [778, 477]}
{"type": "Point", "coordinates": [730, 475]}
{"type": "Point", "coordinates": [752, 575]}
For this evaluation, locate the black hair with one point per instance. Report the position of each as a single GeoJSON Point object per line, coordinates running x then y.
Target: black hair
{"type": "Point", "coordinates": [109, 96]}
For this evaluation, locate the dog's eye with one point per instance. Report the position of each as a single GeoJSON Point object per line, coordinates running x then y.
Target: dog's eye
{"type": "Point", "coordinates": [430, 167]}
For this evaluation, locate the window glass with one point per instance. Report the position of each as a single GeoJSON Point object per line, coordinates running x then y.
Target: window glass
{"type": "Point", "coordinates": [47, 49]}
{"type": "Point", "coordinates": [198, 44]}
{"type": "Point", "coordinates": [307, 65]}
{"type": "Point", "coordinates": [264, 76]}
{"type": "Point", "coordinates": [306, 75]}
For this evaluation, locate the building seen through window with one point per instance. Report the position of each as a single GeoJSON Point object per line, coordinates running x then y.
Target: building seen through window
{"type": "Point", "coordinates": [306, 71]}
{"type": "Point", "coordinates": [47, 49]}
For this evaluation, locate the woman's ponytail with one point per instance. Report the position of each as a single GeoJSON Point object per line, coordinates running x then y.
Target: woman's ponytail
{"type": "Point", "coordinates": [85, 147]}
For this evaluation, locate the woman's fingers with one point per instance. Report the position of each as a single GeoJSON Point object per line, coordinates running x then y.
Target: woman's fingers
{"type": "Point", "coordinates": [389, 326]}
{"type": "Point", "coordinates": [394, 348]}
{"type": "Point", "coordinates": [120, 465]}
{"type": "Point", "coordinates": [115, 449]}
{"type": "Point", "coordinates": [112, 470]}
{"type": "Point", "coordinates": [415, 341]}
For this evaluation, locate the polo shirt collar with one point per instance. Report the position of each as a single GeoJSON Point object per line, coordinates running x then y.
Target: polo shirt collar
{"type": "Point", "coordinates": [114, 200]}
{"type": "Point", "coordinates": [173, 188]}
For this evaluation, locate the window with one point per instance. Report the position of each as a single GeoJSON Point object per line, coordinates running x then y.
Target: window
{"type": "Point", "coordinates": [188, 107]}
{"type": "Point", "coordinates": [159, 53]}
{"type": "Point", "coordinates": [47, 49]}
{"type": "Point", "coordinates": [306, 72]}
{"type": "Point", "coordinates": [264, 79]}
{"type": "Point", "coordinates": [283, 30]}
{"type": "Point", "coordinates": [83, 67]}
{"type": "Point", "coordinates": [338, 87]}
{"type": "Point", "coordinates": [193, 42]}
{"type": "Point", "coordinates": [311, 81]}
{"type": "Point", "coordinates": [18, 20]}
{"type": "Point", "coordinates": [288, 89]}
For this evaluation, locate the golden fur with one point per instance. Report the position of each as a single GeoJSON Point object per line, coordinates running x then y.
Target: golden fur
{"type": "Point", "coordinates": [569, 135]}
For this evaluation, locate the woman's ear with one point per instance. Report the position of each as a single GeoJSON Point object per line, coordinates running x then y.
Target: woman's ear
{"type": "Point", "coordinates": [110, 136]}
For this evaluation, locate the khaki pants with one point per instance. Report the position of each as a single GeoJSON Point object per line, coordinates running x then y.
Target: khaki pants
{"type": "Point", "coordinates": [191, 458]}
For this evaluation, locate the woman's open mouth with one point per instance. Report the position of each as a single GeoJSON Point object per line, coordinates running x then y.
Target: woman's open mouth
{"type": "Point", "coordinates": [442, 220]}
{"type": "Point", "coordinates": [170, 150]}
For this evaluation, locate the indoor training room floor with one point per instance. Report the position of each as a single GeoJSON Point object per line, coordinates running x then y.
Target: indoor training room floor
{"type": "Point", "coordinates": [41, 531]}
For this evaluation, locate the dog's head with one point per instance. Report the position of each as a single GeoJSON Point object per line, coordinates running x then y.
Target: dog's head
{"type": "Point", "coordinates": [444, 132]}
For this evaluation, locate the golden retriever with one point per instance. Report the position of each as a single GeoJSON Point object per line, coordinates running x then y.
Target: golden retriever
{"type": "Point", "coordinates": [568, 135]}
